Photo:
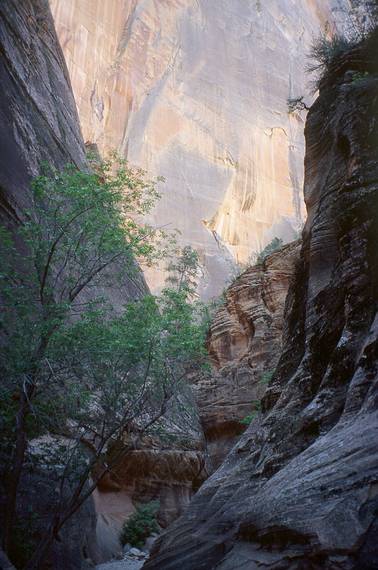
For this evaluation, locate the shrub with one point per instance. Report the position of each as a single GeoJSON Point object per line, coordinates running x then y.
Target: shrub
{"type": "Point", "coordinates": [358, 76]}
{"type": "Point", "coordinates": [266, 376]}
{"type": "Point", "coordinates": [272, 246]}
{"type": "Point", "coordinates": [250, 417]}
{"type": "Point", "coordinates": [359, 22]}
{"type": "Point", "coordinates": [296, 104]}
{"type": "Point", "coordinates": [140, 525]}
{"type": "Point", "coordinates": [325, 50]}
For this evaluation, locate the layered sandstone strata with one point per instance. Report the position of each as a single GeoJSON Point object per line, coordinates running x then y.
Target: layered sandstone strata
{"type": "Point", "coordinates": [244, 344]}
{"type": "Point", "coordinates": [167, 471]}
{"type": "Point", "coordinates": [197, 92]}
{"type": "Point", "coordinates": [299, 490]}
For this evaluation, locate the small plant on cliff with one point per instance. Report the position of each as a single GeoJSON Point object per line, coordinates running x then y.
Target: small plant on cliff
{"type": "Point", "coordinates": [359, 22]}
{"type": "Point", "coordinates": [324, 50]}
{"type": "Point", "coordinates": [266, 376]}
{"type": "Point", "coordinates": [272, 246]}
{"type": "Point", "coordinates": [140, 525]}
{"type": "Point", "coordinates": [296, 104]}
{"type": "Point", "coordinates": [250, 417]}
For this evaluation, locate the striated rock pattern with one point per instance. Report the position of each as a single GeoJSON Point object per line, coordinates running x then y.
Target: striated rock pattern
{"type": "Point", "coordinates": [197, 92]}
{"type": "Point", "coordinates": [38, 116]}
{"type": "Point", "coordinates": [168, 469]}
{"type": "Point", "coordinates": [299, 490]}
{"type": "Point", "coordinates": [38, 123]}
{"type": "Point", "coordinates": [244, 344]}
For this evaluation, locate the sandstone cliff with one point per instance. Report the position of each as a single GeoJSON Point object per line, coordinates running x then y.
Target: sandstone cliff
{"type": "Point", "coordinates": [244, 344]}
{"type": "Point", "coordinates": [300, 488]}
{"type": "Point", "coordinates": [38, 123]}
{"type": "Point", "coordinates": [38, 116]}
{"type": "Point", "coordinates": [197, 92]}
{"type": "Point", "coordinates": [167, 468]}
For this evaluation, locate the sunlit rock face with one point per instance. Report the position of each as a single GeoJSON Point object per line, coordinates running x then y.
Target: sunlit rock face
{"type": "Point", "coordinates": [197, 92]}
{"type": "Point", "coordinates": [299, 489]}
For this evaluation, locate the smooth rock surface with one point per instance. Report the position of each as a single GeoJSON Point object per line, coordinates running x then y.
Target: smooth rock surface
{"type": "Point", "coordinates": [197, 92]}
{"type": "Point", "coordinates": [299, 490]}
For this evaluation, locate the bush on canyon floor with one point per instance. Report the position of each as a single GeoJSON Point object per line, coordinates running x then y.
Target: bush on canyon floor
{"type": "Point", "coordinates": [77, 374]}
{"type": "Point", "coordinates": [140, 525]}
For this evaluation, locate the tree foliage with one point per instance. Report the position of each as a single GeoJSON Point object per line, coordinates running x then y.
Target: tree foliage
{"type": "Point", "coordinates": [78, 374]}
{"type": "Point", "coordinates": [184, 270]}
{"type": "Point", "coordinates": [359, 21]}
{"type": "Point", "coordinates": [272, 246]}
{"type": "Point", "coordinates": [140, 525]}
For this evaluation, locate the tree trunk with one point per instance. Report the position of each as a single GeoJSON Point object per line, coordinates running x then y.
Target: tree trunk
{"type": "Point", "coordinates": [42, 550]}
{"type": "Point", "coordinates": [18, 460]}
{"type": "Point", "coordinates": [4, 562]}
{"type": "Point", "coordinates": [15, 474]}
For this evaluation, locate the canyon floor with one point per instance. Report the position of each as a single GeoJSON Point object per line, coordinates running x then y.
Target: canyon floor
{"type": "Point", "coordinates": [121, 565]}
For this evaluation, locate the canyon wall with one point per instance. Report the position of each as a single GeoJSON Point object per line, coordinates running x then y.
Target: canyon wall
{"type": "Point", "coordinates": [167, 468]}
{"type": "Point", "coordinates": [299, 489]}
{"type": "Point", "coordinates": [196, 91]}
{"type": "Point", "coordinates": [38, 116]}
{"type": "Point", "coordinates": [39, 123]}
{"type": "Point", "coordinates": [244, 344]}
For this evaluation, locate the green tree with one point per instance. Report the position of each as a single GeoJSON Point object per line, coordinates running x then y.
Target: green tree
{"type": "Point", "coordinates": [272, 246]}
{"type": "Point", "coordinates": [65, 354]}
{"type": "Point", "coordinates": [112, 379]}
{"type": "Point", "coordinates": [184, 270]}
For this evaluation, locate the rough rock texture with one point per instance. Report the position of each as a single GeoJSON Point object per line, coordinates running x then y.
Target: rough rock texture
{"type": "Point", "coordinates": [38, 122]}
{"type": "Point", "coordinates": [299, 490]}
{"type": "Point", "coordinates": [197, 92]}
{"type": "Point", "coordinates": [167, 471]}
{"type": "Point", "coordinates": [244, 344]}
{"type": "Point", "coordinates": [38, 116]}
{"type": "Point", "coordinates": [121, 565]}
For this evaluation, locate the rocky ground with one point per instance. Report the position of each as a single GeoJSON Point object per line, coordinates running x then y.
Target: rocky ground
{"type": "Point", "coordinates": [133, 560]}
{"type": "Point", "coordinates": [127, 564]}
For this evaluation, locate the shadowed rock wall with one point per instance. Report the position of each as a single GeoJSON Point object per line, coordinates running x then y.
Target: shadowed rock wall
{"type": "Point", "coordinates": [38, 115]}
{"type": "Point", "coordinates": [299, 490]}
{"type": "Point", "coordinates": [38, 123]}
